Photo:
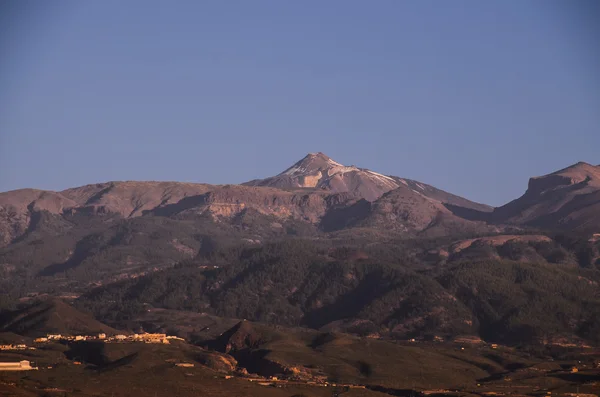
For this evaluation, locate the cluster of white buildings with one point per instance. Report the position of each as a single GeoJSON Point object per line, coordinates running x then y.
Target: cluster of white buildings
{"type": "Point", "coordinates": [144, 338]}
{"type": "Point", "coordinates": [140, 338]}
{"type": "Point", "coordinates": [59, 337]}
{"type": "Point", "coordinates": [16, 347]}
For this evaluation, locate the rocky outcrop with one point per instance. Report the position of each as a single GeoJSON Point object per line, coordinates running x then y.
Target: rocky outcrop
{"type": "Point", "coordinates": [231, 200]}
{"type": "Point", "coordinates": [130, 199]}
{"type": "Point", "coordinates": [20, 209]}
{"type": "Point", "coordinates": [567, 199]}
{"type": "Point", "coordinates": [18, 206]}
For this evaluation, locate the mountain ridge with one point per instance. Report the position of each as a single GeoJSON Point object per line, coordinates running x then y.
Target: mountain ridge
{"type": "Point", "coordinates": [307, 192]}
{"type": "Point", "coordinates": [317, 189]}
{"type": "Point", "coordinates": [565, 199]}
{"type": "Point", "coordinates": [319, 171]}
{"type": "Point", "coordinates": [330, 256]}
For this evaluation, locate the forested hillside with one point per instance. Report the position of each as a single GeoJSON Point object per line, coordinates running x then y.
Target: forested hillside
{"type": "Point", "coordinates": [320, 245]}
{"type": "Point", "coordinates": [372, 290]}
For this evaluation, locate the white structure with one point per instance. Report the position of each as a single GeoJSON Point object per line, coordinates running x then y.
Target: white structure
{"type": "Point", "coordinates": [19, 366]}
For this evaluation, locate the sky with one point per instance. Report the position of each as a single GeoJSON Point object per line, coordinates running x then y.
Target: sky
{"type": "Point", "coordinates": [473, 97]}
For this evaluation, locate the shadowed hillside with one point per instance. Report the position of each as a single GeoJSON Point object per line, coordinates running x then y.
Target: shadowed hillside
{"type": "Point", "coordinates": [51, 316]}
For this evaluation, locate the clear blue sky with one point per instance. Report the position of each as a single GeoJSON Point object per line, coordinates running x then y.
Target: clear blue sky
{"type": "Point", "coordinates": [473, 97]}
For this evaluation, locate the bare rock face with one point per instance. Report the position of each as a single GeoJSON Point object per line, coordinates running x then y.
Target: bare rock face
{"type": "Point", "coordinates": [130, 199]}
{"type": "Point", "coordinates": [20, 209]}
{"type": "Point", "coordinates": [565, 199]}
{"type": "Point", "coordinates": [226, 202]}
{"type": "Point", "coordinates": [17, 207]}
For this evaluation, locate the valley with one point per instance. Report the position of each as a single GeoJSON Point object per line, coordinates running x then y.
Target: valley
{"type": "Point", "coordinates": [254, 359]}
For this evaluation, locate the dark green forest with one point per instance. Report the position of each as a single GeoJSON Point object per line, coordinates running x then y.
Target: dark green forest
{"type": "Point", "coordinates": [385, 289]}
{"type": "Point", "coordinates": [361, 281]}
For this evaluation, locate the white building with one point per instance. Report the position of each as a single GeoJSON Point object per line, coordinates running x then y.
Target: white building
{"type": "Point", "coordinates": [18, 366]}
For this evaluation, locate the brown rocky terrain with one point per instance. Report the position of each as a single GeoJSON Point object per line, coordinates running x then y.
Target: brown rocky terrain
{"type": "Point", "coordinates": [320, 191]}
{"type": "Point", "coordinates": [567, 199]}
{"type": "Point", "coordinates": [129, 198]}
{"type": "Point", "coordinates": [171, 199]}
{"type": "Point", "coordinates": [406, 210]}
{"type": "Point", "coordinates": [140, 226]}
{"type": "Point", "coordinates": [316, 190]}
{"type": "Point", "coordinates": [318, 171]}
{"type": "Point", "coordinates": [17, 207]}
{"type": "Point", "coordinates": [231, 200]}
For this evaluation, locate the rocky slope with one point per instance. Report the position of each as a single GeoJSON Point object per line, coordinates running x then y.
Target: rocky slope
{"type": "Point", "coordinates": [124, 229]}
{"type": "Point", "coordinates": [18, 207]}
{"type": "Point", "coordinates": [567, 199]}
{"type": "Point", "coordinates": [21, 210]}
{"type": "Point", "coordinates": [130, 199]}
{"type": "Point", "coordinates": [406, 211]}
{"type": "Point", "coordinates": [318, 171]}
{"type": "Point", "coordinates": [313, 191]}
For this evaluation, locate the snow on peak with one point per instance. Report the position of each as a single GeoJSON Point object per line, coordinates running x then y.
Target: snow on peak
{"type": "Point", "coordinates": [334, 163]}
{"type": "Point", "coordinates": [386, 180]}
{"type": "Point", "coordinates": [320, 164]}
{"type": "Point", "coordinates": [294, 170]}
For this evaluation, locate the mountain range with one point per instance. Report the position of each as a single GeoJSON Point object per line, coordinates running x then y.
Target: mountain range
{"type": "Point", "coordinates": [320, 245]}
{"type": "Point", "coordinates": [319, 192]}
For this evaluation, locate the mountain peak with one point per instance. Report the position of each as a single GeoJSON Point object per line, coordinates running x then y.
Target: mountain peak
{"type": "Point", "coordinates": [312, 163]}
{"type": "Point", "coordinates": [318, 154]}
{"type": "Point", "coordinates": [319, 171]}
{"type": "Point", "coordinates": [576, 173]}
{"type": "Point", "coordinates": [580, 165]}
{"type": "Point", "coordinates": [568, 198]}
